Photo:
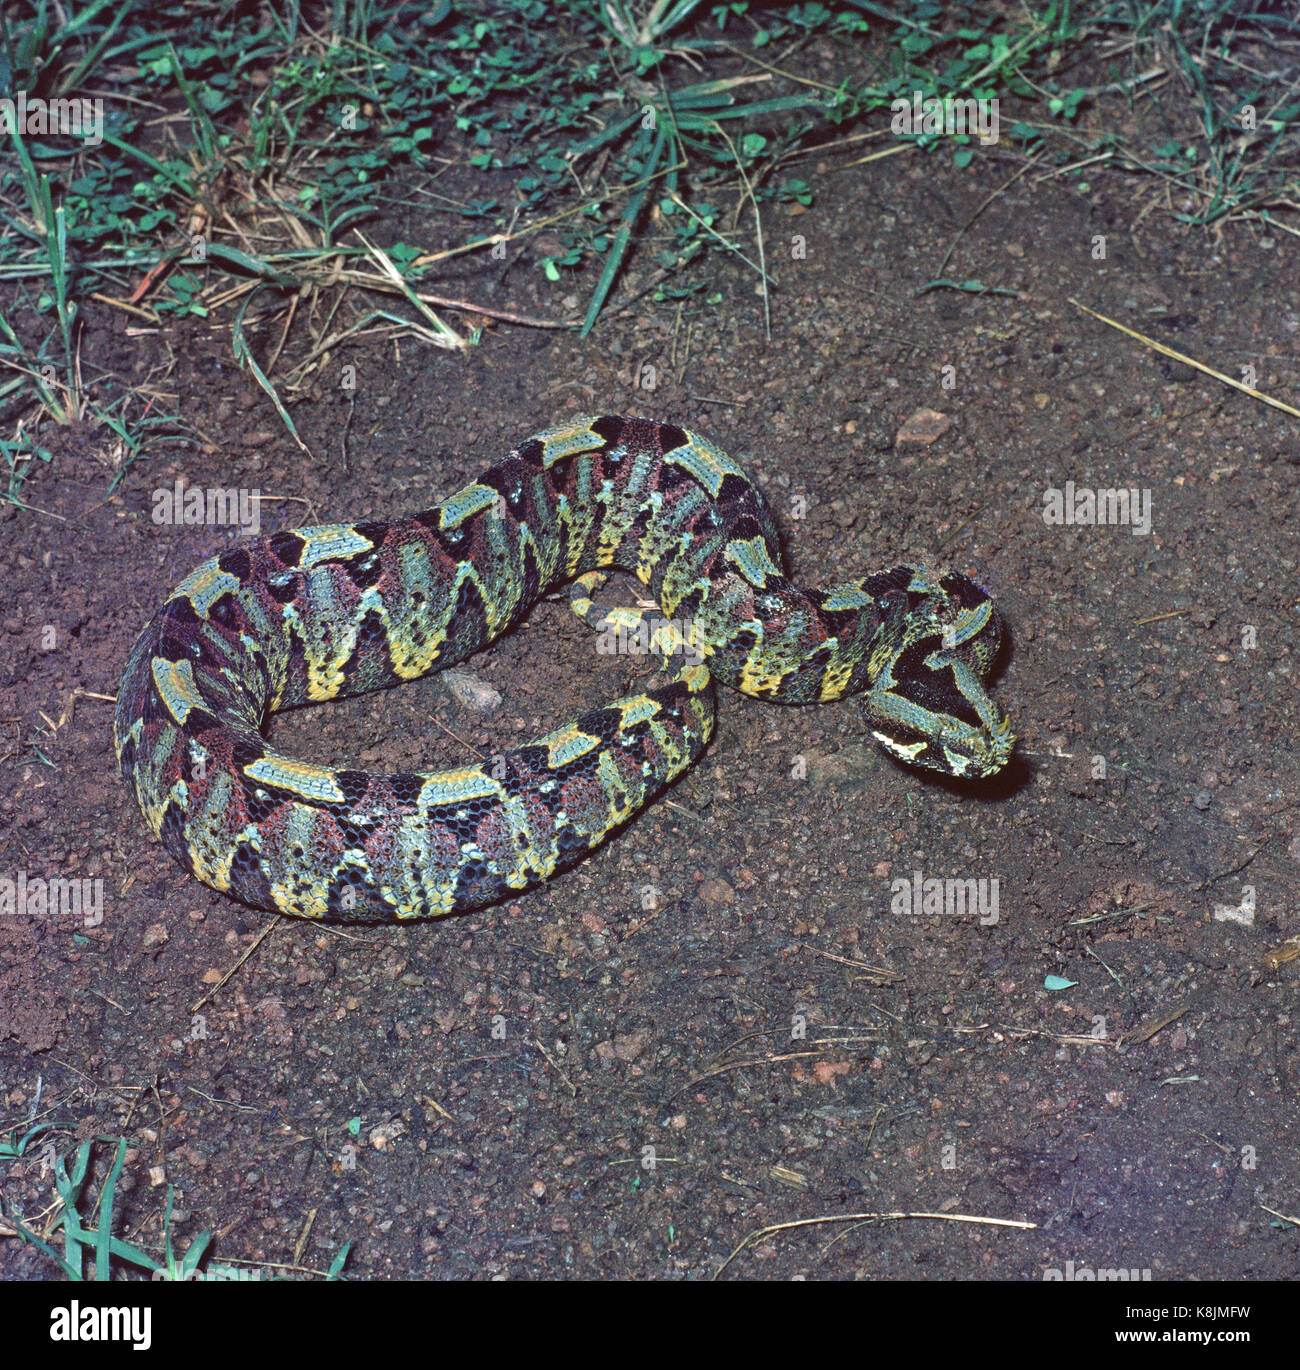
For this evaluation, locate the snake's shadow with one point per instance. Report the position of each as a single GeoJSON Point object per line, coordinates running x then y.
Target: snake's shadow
{"type": "Point", "coordinates": [1015, 776]}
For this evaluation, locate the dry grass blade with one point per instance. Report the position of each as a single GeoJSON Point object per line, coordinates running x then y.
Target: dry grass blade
{"type": "Point", "coordinates": [439, 333]}
{"type": "Point", "coordinates": [1188, 361]}
{"type": "Point", "coordinates": [759, 1234]}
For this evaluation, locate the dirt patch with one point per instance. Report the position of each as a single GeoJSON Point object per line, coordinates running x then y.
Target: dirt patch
{"type": "Point", "coordinates": [755, 1005]}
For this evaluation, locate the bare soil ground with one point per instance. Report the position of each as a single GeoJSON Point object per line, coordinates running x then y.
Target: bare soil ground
{"type": "Point", "coordinates": [725, 1019]}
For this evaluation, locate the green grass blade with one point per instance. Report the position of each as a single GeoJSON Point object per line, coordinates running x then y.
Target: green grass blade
{"type": "Point", "coordinates": [104, 1230]}
{"type": "Point", "coordinates": [244, 356]}
{"type": "Point", "coordinates": [618, 248]}
{"type": "Point", "coordinates": [777, 106]}
{"type": "Point", "coordinates": [185, 186]}
{"type": "Point", "coordinates": [607, 134]}
{"type": "Point", "coordinates": [68, 1186]}
{"type": "Point", "coordinates": [74, 78]}
{"type": "Point", "coordinates": [189, 1263]}
{"type": "Point", "coordinates": [27, 1235]}
{"type": "Point", "coordinates": [253, 266]}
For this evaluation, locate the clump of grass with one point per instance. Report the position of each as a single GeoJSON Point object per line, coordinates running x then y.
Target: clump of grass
{"type": "Point", "coordinates": [243, 156]}
{"type": "Point", "coordinates": [95, 1249]}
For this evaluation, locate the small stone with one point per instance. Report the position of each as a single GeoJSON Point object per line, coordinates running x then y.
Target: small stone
{"type": "Point", "coordinates": [715, 893]}
{"type": "Point", "coordinates": [924, 426]}
{"type": "Point", "coordinates": [471, 692]}
{"type": "Point", "coordinates": [629, 1046]}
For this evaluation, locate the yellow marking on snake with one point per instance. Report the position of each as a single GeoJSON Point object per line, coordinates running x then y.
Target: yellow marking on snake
{"type": "Point", "coordinates": [205, 585]}
{"type": "Point", "coordinates": [835, 680]}
{"type": "Point", "coordinates": [706, 464]}
{"type": "Point", "coordinates": [298, 777]}
{"type": "Point", "coordinates": [457, 787]}
{"type": "Point", "coordinates": [330, 542]}
{"type": "Point", "coordinates": [473, 499]}
{"type": "Point", "coordinates": [176, 687]}
{"type": "Point", "coordinates": [751, 558]}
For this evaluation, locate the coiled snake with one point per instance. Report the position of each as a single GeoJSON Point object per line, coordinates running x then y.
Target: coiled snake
{"type": "Point", "coordinates": [339, 609]}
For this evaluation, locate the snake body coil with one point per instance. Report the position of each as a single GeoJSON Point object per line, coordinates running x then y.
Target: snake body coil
{"type": "Point", "coordinates": [340, 609]}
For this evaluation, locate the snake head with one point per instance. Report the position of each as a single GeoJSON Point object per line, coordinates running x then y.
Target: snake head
{"type": "Point", "coordinates": [953, 746]}
{"type": "Point", "coordinates": [927, 703]}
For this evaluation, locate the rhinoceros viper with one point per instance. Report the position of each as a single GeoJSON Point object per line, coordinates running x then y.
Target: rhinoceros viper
{"type": "Point", "coordinates": [334, 610]}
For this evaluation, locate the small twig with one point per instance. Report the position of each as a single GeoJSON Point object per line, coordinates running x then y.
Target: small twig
{"type": "Point", "coordinates": [465, 306]}
{"type": "Point", "coordinates": [1232, 870]}
{"type": "Point", "coordinates": [876, 156]}
{"type": "Point", "coordinates": [253, 946]}
{"type": "Point", "coordinates": [225, 1103]}
{"type": "Point", "coordinates": [742, 1065]}
{"type": "Point", "coordinates": [1160, 618]}
{"type": "Point", "coordinates": [763, 1232]}
{"type": "Point", "coordinates": [1147, 1030]}
{"type": "Point", "coordinates": [301, 1244]}
{"type": "Point", "coordinates": [713, 232]}
{"type": "Point", "coordinates": [438, 1108]}
{"type": "Point", "coordinates": [1189, 361]}
{"type": "Point", "coordinates": [426, 258]}
{"type": "Point", "coordinates": [1118, 913]}
{"type": "Point", "coordinates": [1109, 971]}
{"type": "Point", "coordinates": [878, 971]}
{"type": "Point", "coordinates": [758, 230]}
{"type": "Point", "coordinates": [984, 204]}
{"type": "Point", "coordinates": [438, 723]}
{"type": "Point", "coordinates": [551, 1061]}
